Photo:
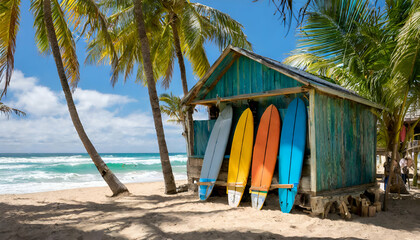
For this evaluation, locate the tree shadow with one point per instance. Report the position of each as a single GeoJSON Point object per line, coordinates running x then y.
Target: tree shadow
{"type": "Point", "coordinates": [147, 214]}
{"type": "Point", "coordinates": [402, 214]}
{"type": "Point", "coordinates": [246, 235]}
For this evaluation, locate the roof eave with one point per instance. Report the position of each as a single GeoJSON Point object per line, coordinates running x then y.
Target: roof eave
{"type": "Point", "coordinates": [186, 100]}
{"type": "Point", "coordinates": [283, 70]}
{"type": "Point", "coordinates": [347, 96]}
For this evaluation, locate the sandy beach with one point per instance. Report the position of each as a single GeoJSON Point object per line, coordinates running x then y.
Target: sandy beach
{"type": "Point", "coordinates": [87, 213]}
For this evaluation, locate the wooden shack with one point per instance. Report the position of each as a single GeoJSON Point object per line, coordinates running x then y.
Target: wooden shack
{"type": "Point", "coordinates": [341, 139]}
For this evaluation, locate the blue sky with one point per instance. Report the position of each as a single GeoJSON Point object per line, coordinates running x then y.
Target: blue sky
{"type": "Point", "coordinates": [117, 119]}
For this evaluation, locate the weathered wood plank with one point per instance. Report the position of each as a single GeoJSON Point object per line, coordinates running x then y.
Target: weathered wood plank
{"type": "Point", "coordinates": [194, 171]}
{"type": "Point", "coordinates": [265, 94]}
{"type": "Point", "coordinates": [346, 96]}
{"type": "Point", "coordinates": [345, 141]}
{"type": "Point", "coordinates": [197, 87]}
{"type": "Point", "coordinates": [312, 139]}
{"type": "Point", "coordinates": [202, 130]}
{"type": "Point", "coordinates": [244, 76]}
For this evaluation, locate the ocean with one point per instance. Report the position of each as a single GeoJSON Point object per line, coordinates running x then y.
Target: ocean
{"type": "Point", "coordinates": [40, 172]}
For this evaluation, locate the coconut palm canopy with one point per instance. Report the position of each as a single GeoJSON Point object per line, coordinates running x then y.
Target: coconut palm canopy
{"type": "Point", "coordinates": [370, 50]}
{"type": "Point", "coordinates": [198, 24]}
{"type": "Point", "coordinates": [52, 21]}
{"type": "Point", "coordinates": [171, 106]}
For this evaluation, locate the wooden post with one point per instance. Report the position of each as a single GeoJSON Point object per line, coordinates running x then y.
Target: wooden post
{"type": "Point", "coordinates": [378, 206]}
{"type": "Point", "coordinates": [344, 211]}
{"type": "Point", "coordinates": [365, 208]}
{"type": "Point", "coordinates": [312, 140]}
{"type": "Point", "coordinates": [415, 177]}
{"type": "Point", "coordinates": [327, 209]}
{"type": "Point", "coordinates": [372, 211]}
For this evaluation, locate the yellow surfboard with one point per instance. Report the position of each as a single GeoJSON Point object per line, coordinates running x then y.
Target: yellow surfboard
{"type": "Point", "coordinates": [240, 158]}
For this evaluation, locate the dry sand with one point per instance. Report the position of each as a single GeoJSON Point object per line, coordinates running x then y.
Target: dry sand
{"type": "Point", "coordinates": [87, 213]}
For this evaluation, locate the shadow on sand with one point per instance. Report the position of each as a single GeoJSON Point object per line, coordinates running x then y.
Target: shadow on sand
{"type": "Point", "coordinates": [146, 214]}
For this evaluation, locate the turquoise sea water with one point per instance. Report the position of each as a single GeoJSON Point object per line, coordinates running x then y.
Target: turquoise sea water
{"type": "Point", "coordinates": [38, 172]}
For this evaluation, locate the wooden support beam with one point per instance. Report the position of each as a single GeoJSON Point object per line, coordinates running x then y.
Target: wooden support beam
{"type": "Point", "coordinates": [219, 183]}
{"type": "Point", "coordinates": [264, 188]}
{"type": "Point", "coordinates": [235, 184]}
{"type": "Point", "coordinates": [205, 183]}
{"type": "Point", "coordinates": [277, 92]}
{"type": "Point", "coordinates": [275, 186]}
{"type": "Point", "coordinates": [348, 96]}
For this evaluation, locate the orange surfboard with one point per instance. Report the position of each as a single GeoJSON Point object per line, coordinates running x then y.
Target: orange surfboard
{"type": "Point", "coordinates": [265, 156]}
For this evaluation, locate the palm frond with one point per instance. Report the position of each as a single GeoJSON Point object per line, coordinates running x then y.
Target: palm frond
{"type": "Point", "coordinates": [171, 106]}
{"type": "Point", "coordinates": [6, 110]}
{"type": "Point", "coordinates": [89, 13]}
{"type": "Point", "coordinates": [406, 56]}
{"type": "Point", "coordinates": [66, 43]}
{"type": "Point", "coordinates": [223, 30]}
{"type": "Point", "coordinates": [10, 16]}
{"type": "Point", "coordinates": [193, 36]}
{"type": "Point", "coordinates": [41, 37]}
{"type": "Point", "coordinates": [64, 37]}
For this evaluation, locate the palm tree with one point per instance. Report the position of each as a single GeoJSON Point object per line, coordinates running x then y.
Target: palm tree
{"type": "Point", "coordinates": [130, 39]}
{"type": "Point", "coordinates": [171, 106]}
{"type": "Point", "coordinates": [174, 28]}
{"type": "Point", "coordinates": [52, 35]}
{"type": "Point", "coordinates": [192, 24]}
{"type": "Point", "coordinates": [6, 110]}
{"type": "Point", "coordinates": [374, 53]}
{"type": "Point", "coordinates": [170, 187]}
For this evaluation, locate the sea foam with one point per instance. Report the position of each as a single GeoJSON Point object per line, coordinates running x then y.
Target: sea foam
{"type": "Point", "coordinates": [27, 173]}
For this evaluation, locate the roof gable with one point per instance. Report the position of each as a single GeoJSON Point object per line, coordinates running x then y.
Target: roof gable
{"type": "Point", "coordinates": [237, 63]}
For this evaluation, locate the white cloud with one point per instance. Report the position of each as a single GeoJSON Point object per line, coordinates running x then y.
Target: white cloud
{"type": "Point", "coordinates": [91, 100]}
{"type": "Point", "coordinates": [48, 127]}
{"type": "Point", "coordinates": [34, 99]}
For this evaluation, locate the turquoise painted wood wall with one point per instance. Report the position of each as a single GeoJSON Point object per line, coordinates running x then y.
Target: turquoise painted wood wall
{"type": "Point", "coordinates": [345, 139]}
{"type": "Point", "coordinates": [243, 77]}
{"type": "Point", "coordinates": [202, 130]}
{"type": "Point", "coordinates": [345, 131]}
{"type": "Point", "coordinates": [248, 76]}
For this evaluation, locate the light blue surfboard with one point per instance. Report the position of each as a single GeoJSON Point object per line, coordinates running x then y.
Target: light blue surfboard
{"type": "Point", "coordinates": [291, 153]}
{"type": "Point", "coordinates": [215, 151]}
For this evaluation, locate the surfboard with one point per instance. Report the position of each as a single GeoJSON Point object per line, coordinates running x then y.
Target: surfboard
{"type": "Point", "coordinates": [215, 151]}
{"type": "Point", "coordinates": [292, 151]}
{"type": "Point", "coordinates": [240, 158]}
{"type": "Point", "coordinates": [265, 156]}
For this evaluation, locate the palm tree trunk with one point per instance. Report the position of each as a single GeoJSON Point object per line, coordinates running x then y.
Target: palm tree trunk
{"type": "Point", "coordinates": [190, 123]}
{"type": "Point", "coordinates": [395, 155]}
{"type": "Point", "coordinates": [415, 177]}
{"type": "Point", "coordinates": [114, 184]}
{"type": "Point", "coordinates": [170, 187]}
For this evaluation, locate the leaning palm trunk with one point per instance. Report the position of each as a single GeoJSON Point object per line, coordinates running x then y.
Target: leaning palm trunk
{"type": "Point", "coordinates": [114, 184]}
{"type": "Point", "coordinates": [170, 187]}
{"type": "Point", "coordinates": [189, 123]}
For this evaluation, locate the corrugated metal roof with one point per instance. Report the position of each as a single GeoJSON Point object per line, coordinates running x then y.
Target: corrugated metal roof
{"type": "Point", "coordinates": [295, 73]}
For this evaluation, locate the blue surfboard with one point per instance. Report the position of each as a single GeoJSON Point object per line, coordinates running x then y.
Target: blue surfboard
{"type": "Point", "coordinates": [291, 153]}
{"type": "Point", "coordinates": [215, 151]}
